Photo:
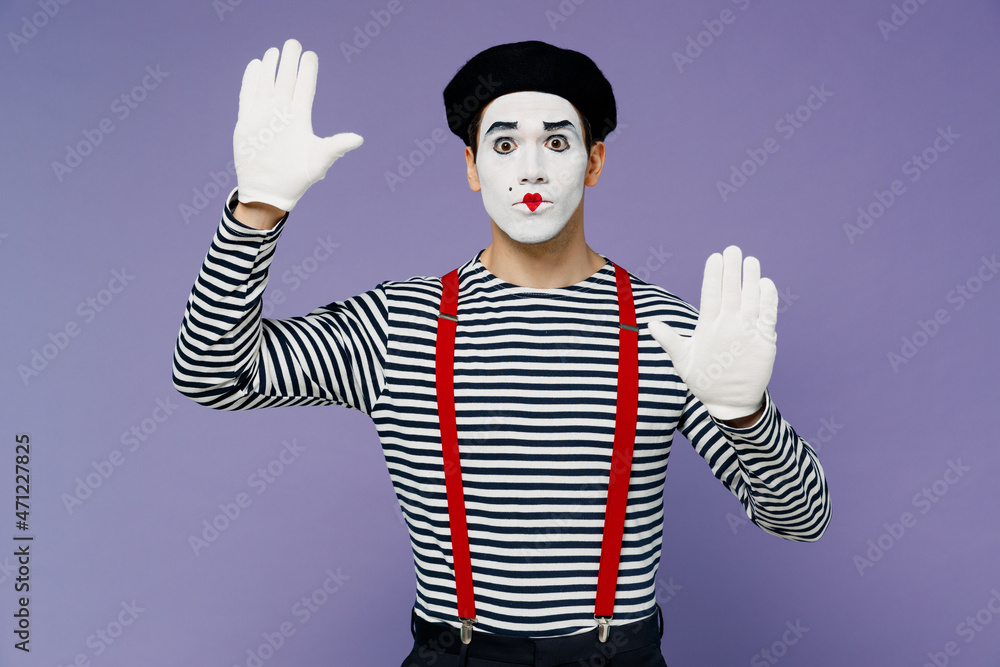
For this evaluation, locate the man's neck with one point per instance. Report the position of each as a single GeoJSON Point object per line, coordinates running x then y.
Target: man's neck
{"type": "Point", "coordinates": [562, 261]}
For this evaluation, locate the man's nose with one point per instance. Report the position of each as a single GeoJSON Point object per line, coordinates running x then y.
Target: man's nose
{"type": "Point", "coordinates": [532, 168]}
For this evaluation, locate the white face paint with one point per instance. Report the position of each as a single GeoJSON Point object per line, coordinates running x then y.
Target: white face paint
{"type": "Point", "coordinates": [531, 163]}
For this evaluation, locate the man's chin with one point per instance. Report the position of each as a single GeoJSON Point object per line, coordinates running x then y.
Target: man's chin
{"type": "Point", "coordinates": [530, 234]}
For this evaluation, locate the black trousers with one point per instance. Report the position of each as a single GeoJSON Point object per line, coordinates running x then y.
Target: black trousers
{"type": "Point", "coordinates": [631, 645]}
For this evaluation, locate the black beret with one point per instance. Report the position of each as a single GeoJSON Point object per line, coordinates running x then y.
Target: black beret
{"type": "Point", "coordinates": [530, 66]}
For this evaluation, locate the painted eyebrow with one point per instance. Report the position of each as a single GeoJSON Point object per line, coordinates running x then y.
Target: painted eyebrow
{"type": "Point", "coordinates": [559, 124]}
{"type": "Point", "coordinates": [547, 126]}
{"type": "Point", "coordinates": [500, 125]}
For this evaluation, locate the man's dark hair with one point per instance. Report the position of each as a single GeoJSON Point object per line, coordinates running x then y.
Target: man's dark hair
{"type": "Point", "coordinates": [588, 139]}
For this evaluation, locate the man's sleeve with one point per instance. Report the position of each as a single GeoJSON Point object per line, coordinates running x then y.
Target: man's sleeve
{"type": "Point", "coordinates": [774, 472]}
{"type": "Point", "coordinates": [228, 358]}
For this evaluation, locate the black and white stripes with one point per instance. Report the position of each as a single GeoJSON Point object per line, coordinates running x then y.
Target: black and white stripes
{"type": "Point", "coordinates": [535, 379]}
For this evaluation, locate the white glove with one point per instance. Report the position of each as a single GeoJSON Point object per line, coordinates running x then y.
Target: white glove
{"type": "Point", "coordinates": [276, 153]}
{"type": "Point", "coordinates": [727, 362]}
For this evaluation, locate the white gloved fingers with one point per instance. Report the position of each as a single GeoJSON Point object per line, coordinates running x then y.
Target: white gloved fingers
{"type": "Point", "coordinates": [732, 259]}
{"type": "Point", "coordinates": [339, 144]}
{"type": "Point", "coordinates": [330, 149]}
{"type": "Point", "coordinates": [768, 318]}
{"type": "Point", "coordinates": [664, 334]}
{"type": "Point", "coordinates": [677, 347]}
{"type": "Point", "coordinates": [249, 86]}
{"type": "Point", "coordinates": [750, 297]}
{"type": "Point", "coordinates": [265, 77]}
{"type": "Point", "coordinates": [728, 362]}
{"type": "Point", "coordinates": [305, 85]}
{"type": "Point", "coordinates": [711, 289]}
{"type": "Point", "coordinates": [288, 65]}
{"type": "Point", "coordinates": [277, 156]}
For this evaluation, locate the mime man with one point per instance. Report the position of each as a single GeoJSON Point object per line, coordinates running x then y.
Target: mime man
{"type": "Point", "coordinates": [525, 401]}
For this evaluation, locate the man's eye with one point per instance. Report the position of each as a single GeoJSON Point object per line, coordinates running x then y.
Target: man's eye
{"type": "Point", "coordinates": [558, 144]}
{"type": "Point", "coordinates": [504, 146]}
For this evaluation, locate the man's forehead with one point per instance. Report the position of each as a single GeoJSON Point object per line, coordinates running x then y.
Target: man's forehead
{"type": "Point", "coordinates": [529, 105]}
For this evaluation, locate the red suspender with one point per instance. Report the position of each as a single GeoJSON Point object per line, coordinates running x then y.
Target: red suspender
{"type": "Point", "coordinates": [621, 457]}
{"type": "Point", "coordinates": [445, 376]}
{"type": "Point", "coordinates": [626, 407]}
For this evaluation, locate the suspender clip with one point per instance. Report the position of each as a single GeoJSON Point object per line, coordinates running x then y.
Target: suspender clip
{"type": "Point", "coordinates": [603, 627]}
{"type": "Point", "coordinates": [467, 629]}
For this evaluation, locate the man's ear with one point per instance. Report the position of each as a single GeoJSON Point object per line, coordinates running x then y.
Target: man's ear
{"type": "Point", "coordinates": [471, 171]}
{"type": "Point", "coordinates": [595, 164]}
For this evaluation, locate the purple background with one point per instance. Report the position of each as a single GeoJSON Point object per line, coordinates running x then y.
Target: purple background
{"type": "Point", "coordinates": [727, 590]}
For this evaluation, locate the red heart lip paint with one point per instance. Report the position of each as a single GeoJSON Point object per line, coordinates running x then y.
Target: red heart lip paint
{"type": "Point", "coordinates": [532, 200]}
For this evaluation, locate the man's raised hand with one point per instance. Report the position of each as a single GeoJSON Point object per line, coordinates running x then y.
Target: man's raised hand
{"type": "Point", "coordinates": [727, 362]}
{"type": "Point", "coordinates": [277, 155]}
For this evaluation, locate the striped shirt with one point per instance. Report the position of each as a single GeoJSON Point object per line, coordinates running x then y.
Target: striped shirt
{"type": "Point", "coordinates": [535, 392]}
